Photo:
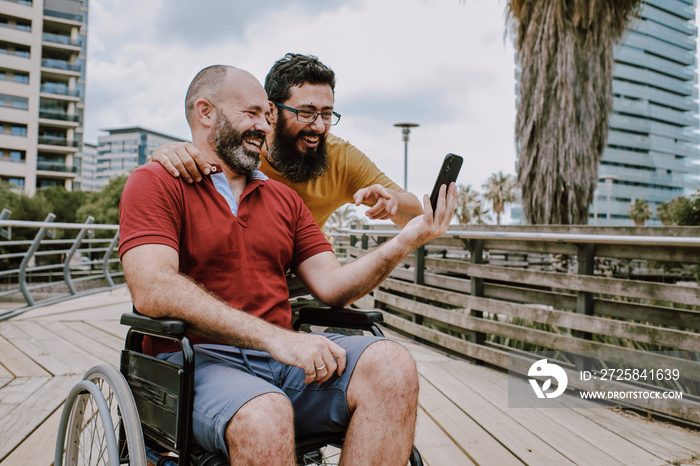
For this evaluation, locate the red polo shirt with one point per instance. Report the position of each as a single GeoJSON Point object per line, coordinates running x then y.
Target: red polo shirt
{"type": "Point", "coordinates": [241, 257]}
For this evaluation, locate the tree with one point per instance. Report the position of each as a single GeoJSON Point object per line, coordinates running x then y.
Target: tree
{"type": "Point", "coordinates": [481, 216]}
{"type": "Point", "coordinates": [500, 190]}
{"type": "Point", "coordinates": [565, 50]}
{"type": "Point", "coordinates": [65, 204]}
{"type": "Point", "coordinates": [640, 212]}
{"type": "Point", "coordinates": [467, 201]}
{"type": "Point", "coordinates": [686, 211]}
{"type": "Point", "coordinates": [105, 206]}
{"type": "Point", "coordinates": [343, 217]}
{"type": "Point", "coordinates": [665, 213]}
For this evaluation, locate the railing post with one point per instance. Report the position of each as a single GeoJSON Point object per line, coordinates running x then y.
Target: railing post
{"type": "Point", "coordinates": [365, 238]}
{"type": "Point", "coordinates": [584, 299]}
{"type": "Point", "coordinates": [419, 275]}
{"type": "Point", "coordinates": [477, 288]}
{"type": "Point", "coordinates": [76, 244]}
{"type": "Point", "coordinates": [28, 257]}
{"type": "Point", "coordinates": [105, 261]}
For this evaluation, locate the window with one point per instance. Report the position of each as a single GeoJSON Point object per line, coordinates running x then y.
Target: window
{"type": "Point", "coordinates": [19, 130]}
{"type": "Point", "coordinates": [12, 101]}
{"type": "Point", "coordinates": [17, 156]}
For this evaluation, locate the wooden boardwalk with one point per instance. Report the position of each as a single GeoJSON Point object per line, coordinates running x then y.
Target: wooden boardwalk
{"type": "Point", "coordinates": [463, 418]}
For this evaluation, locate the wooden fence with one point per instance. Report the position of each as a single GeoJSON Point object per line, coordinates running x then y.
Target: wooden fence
{"type": "Point", "coordinates": [599, 298]}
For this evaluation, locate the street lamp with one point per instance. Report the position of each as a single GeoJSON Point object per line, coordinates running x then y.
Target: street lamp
{"type": "Point", "coordinates": [609, 180]}
{"type": "Point", "coordinates": [406, 130]}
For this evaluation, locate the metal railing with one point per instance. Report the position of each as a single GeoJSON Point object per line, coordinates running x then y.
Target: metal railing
{"type": "Point", "coordinates": [58, 261]}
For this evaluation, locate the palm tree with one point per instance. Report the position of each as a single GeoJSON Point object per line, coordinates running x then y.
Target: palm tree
{"type": "Point", "coordinates": [344, 217]}
{"type": "Point", "coordinates": [500, 190]}
{"type": "Point", "coordinates": [467, 201]}
{"type": "Point", "coordinates": [665, 213]}
{"type": "Point", "coordinates": [480, 216]}
{"type": "Point", "coordinates": [565, 50]}
{"type": "Point", "coordinates": [640, 212]}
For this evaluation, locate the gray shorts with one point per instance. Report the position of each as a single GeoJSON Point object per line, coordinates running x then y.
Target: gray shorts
{"type": "Point", "coordinates": [227, 377]}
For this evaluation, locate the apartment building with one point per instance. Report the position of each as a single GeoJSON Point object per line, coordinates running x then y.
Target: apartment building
{"type": "Point", "coordinates": [42, 91]}
{"type": "Point", "coordinates": [124, 149]}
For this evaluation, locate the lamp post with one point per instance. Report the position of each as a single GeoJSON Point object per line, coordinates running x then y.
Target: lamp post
{"type": "Point", "coordinates": [405, 130]}
{"type": "Point", "coordinates": [609, 180]}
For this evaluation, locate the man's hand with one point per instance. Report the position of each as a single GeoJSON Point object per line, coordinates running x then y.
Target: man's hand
{"type": "Point", "coordinates": [316, 355]}
{"type": "Point", "coordinates": [431, 224]}
{"type": "Point", "coordinates": [182, 159]}
{"type": "Point", "coordinates": [383, 201]}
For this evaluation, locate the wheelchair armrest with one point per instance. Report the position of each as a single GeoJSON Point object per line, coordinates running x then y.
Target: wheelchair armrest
{"type": "Point", "coordinates": [164, 327]}
{"type": "Point", "coordinates": [339, 317]}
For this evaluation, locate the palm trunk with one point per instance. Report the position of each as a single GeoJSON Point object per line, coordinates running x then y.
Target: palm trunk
{"type": "Point", "coordinates": [565, 49]}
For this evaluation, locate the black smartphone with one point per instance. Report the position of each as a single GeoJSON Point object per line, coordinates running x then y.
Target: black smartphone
{"type": "Point", "coordinates": [448, 173]}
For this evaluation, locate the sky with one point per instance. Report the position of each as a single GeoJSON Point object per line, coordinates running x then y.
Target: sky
{"type": "Point", "coordinates": [444, 64]}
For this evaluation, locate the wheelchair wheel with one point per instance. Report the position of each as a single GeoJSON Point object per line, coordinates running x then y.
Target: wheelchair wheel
{"type": "Point", "coordinates": [100, 424]}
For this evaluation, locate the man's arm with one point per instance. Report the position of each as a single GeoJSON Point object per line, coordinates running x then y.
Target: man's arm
{"type": "Point", "coordinates": [398, 206]}
{"type": "Point", "coordinates": [159, 290]}
{"type": "Point", "coordinates": [340, 285]}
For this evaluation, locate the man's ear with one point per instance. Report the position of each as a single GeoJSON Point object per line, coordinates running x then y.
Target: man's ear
{"type": "Point", "coordinates": [273, 113]}
{"type": "Point", "coordinates": [205, 112]}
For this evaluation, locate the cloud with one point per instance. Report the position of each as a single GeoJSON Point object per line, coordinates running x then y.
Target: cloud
{"type": "Point", "coordinates": [192, 23]}
{"type": "Point", "coordinates": [441, 63]}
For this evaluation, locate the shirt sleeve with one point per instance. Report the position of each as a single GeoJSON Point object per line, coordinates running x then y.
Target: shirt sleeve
{"type": "Point", "coordinates": [150, 210]}
{"type": "Point", "coordinates": [309, 240]}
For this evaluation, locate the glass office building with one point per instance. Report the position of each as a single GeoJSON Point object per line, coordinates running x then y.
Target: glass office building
{"type": "Point", "coordinates": [652, 146]}
{"type": "Point", "coordinates": [123, 149]}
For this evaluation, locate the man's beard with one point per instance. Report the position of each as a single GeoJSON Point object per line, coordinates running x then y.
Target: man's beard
{"type": "Point", "coordinates": [227, 142]}
{"type": "Point", "coordinates": [295, 165]}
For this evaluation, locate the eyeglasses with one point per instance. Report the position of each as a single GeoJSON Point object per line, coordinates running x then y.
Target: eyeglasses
{"type": "Point", "coordinates": [307, 116]}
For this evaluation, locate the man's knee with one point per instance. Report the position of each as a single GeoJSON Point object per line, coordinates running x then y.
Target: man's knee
{"type": "Point", "coordinates": [267, 418]}
{"type": "Point", "coordinates": [388, 366]}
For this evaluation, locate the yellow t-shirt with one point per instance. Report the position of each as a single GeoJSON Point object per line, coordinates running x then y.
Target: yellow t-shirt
{"type": "Point", "coordinates": [348, 170]}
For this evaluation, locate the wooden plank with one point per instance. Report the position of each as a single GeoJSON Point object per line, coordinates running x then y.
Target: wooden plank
{"type": "Point", "coordinates": [38, 448]}
{"type": "Point", "coordinates": [638, 332]}
{"type": "Point", "coordinates": [85, 342]}
{"type": "Point", "coordinates": [671, 443]}
{"type": "Point", "coordinates": [435, 446]}
{"type": "Point", "coordinates": [51, 351]}
{"type": "Point", "coordinates": [17, 391]}
{"type": "Point", "coordinates": [603, 285]}
{"type": "Point", "coordinates": [17, 363]}
{"type": "Point", "coordinates": [21, 421]}
{"type": "Point", "coordinates": [459, 319]}
{"type": "Point", "coordinates": [488, 412]}
{"type": "Point", "coordinates": [588, 421]}
{"type": "Point", "coordinates": [479, 445]}
{"type": "Point", "coordinates": [656, 253]}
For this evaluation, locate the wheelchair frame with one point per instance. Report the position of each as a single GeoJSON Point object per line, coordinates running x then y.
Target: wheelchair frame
{"type": "Point", "coordinates": [155, 398]}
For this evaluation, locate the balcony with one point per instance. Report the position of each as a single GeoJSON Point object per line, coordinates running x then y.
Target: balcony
{"type": "Point", "coordinates": [59, 90]}
{"type": "Point", "coordinates": [61, 39]}
{"type": "Point", "coordinates": [57, 141]}
{"type": "Point", "coordinates": [59, 65]}
{"type": "Point", "coordinates": [56, 167]}
{"type": "Point", "coordinates": [62, 15]}
{"type": "Point", "coordinates": [53, 115]}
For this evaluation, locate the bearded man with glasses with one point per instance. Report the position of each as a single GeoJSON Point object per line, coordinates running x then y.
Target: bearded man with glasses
{"type": "Point", "coordinates": [326, 171]}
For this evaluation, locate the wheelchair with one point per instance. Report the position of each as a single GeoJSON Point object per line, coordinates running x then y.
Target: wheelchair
{"type": "Point", "coordinates": [142, 414]}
